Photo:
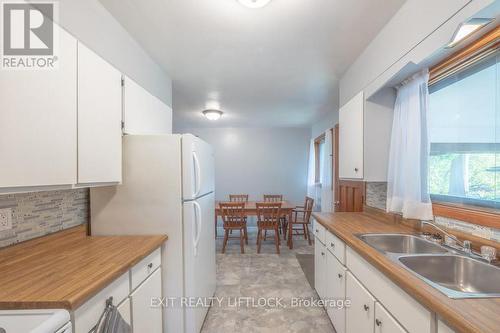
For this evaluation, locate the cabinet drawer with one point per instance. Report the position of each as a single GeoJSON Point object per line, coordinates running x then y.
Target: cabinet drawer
{"type": "Point", "coordinates": [335, 246]}
{"type": "Point", "coordinates": [144, 268]}
{"type": "Point", "coordinates": [319, 232]}
{"type": "Point", "coordinates": [146, 318]}
{"type": "Point", "coordinates": [413, 316]}
{"type": "Point", "coordinates": [87, 315]}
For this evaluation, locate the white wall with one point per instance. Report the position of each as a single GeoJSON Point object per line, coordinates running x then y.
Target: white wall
{"type": "Point", "coordinates": [94, 26]}
{"type": "Point", "coordinates": [258, 161]}
{"type": "Point", "coordinates": [327, 122]}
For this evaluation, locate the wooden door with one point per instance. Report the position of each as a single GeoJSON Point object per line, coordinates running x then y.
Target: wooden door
{"type": "Point", "coordinates": [360, 316]}
{"type": "Point", "coordinates": [351, 196]}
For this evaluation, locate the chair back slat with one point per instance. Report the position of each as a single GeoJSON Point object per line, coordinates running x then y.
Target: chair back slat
{"type": "Point", "coordinates": [238, 197]}
{"type": "Point", "coordinates": [268, 214]}
{"type": "Point", "coordinates": [233, 214]}
{"type": "Point", "coordinates": [308, 207]}
{"type": "Point", "coordinates": [273, 197]}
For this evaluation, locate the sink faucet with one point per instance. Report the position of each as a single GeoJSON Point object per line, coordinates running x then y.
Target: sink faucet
{"type": "Point", "coordinates": [489, 254]}
{"type": "Point", "coordinates": [466, 245]}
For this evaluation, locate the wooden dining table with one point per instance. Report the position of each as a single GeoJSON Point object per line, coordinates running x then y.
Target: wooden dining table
{"type": "Point", "coordinates": [251, 210]}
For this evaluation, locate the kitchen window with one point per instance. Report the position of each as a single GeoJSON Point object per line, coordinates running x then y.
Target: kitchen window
{"type": "Point", "coordinates": [464, 134]}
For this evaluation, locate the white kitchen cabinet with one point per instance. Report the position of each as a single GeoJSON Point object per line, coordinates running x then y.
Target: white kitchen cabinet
{"type": "Point", "coordinates": [384, 322]}
{"type": "Point", "coordinates": [124, 310]}
{"type": "Point", "coordinates": [144, 113]}
{"type": "Point", "coordinates": [360, 316]}
{"type": "Point", "coordinates": [335, 290]}
{"type": "Point", "coordinates": [99, 119]}
{"type": "Point", "coordinates": [146, 318]}
{"type": "Point", "coordinates": [320, 269]}
{"type": "Point", "coordinates": [38, 125]}
{"type": "Point", "coordinates": [351, 126]}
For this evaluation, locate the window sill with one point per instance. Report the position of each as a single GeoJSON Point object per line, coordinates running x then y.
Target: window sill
{"type": "Point", "coordinates": [472, 214]}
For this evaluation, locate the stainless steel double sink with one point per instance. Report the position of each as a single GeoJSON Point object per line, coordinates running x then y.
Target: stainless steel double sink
{"type": "Point", "coordinates": [454, 274]}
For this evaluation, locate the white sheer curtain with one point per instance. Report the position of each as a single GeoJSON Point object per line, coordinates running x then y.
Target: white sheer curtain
{"type": "Point", "coordinates": [407, 175]}
{"type": "Point", "coordinates": [326, 174]}
{"type": "Point", "coordinates": [311, 170]}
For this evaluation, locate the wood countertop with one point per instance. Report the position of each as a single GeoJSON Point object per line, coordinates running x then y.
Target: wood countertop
{"type": "Point", "coordinates": [65, 269]}
{"type": "Point", "coordinates": [464, 315]}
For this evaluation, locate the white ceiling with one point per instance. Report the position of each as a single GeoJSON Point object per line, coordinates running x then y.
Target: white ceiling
{"type": "Point", "coordinates": [274, 66]}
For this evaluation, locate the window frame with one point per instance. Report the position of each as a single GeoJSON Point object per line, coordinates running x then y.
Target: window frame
{"type": "Point", "coordinates": [317, 165]}
{"type": "Point", "coordinates": [481, 48]}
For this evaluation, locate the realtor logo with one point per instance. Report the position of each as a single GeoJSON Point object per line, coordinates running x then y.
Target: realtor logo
{"type": "Point", "coordinates": [28, 35]}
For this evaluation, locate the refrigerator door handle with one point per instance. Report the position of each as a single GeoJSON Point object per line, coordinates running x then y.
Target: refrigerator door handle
{"type": "Point", "coordinates": [197, 175]}
{"type": "Point", "coordinates": [197, 226]}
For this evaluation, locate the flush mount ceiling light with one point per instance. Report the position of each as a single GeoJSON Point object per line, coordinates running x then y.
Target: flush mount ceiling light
{"type": "Point", "coordinates": [254, 3]}
{"type": "Point", "coordinates": [212, 114]}
{"type": "Point", "coordinates": [466, 29]}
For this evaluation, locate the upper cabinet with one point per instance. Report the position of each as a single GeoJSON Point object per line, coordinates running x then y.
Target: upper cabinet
{"type": "Point", "coordinates": [99, 119]}
{"type": "Point", "coordinates": [38, 122]}
{"type": "Point", "coordinates": [144, 113]}
{"type": "Point", "coordinates": [351, 125]}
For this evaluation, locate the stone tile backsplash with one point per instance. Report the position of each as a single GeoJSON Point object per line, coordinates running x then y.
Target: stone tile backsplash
{"type": "Point", "coordinates": [41, 213]}
{"type": "Point", "coordinates": [376, 196]}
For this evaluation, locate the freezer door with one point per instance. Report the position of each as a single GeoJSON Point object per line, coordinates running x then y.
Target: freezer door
{"type": "Point", "coordinates": [199, 259]}
{"type": "Point", "coordinates": [197, 167]}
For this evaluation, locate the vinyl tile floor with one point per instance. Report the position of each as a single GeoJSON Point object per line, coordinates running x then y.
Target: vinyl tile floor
{"type": "Point", "coordinates": [265, 292]}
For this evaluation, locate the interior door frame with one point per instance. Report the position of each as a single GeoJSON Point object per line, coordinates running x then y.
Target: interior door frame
{"type": "Point", "coordinates": [335, 169]}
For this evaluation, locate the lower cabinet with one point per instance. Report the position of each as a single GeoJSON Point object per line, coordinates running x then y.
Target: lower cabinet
{"type": "Point", "coordinates": [146, 318]}
{"type": "Point", "coordinates": [132, 293]}
{"type": "Point", "coordinates": [360, 316]}
{"type": "Point", "coordinates": [320, 268]}
{"type": "Point", "coordinates": [384, 322]}
{"type": "Point", "coordinates": [336, 290]}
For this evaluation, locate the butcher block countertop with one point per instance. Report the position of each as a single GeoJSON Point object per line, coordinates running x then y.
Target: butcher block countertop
{"type": "Point", "coordinates": [464, 315]}
{"type": "Point", "coordinates": [65, 269]}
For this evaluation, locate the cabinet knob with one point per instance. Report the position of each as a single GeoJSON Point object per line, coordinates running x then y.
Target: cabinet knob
{"type": "Point", "coordinates": [317, 230]}
{"type": "Point", "coordinates": [322, 253]}
{"type": "Point", "coordinates": [340, 276]}
{"type": "Point", "coordinates": [150, 265]}
{"type": "Point", "coordinates": [366, 307]}
{"type": "Point", "coordinates": [378, 322]}
{"type": "Point", "coordinates": [356, 169]}
{"type": "Point", "coordinates": [332, 244]}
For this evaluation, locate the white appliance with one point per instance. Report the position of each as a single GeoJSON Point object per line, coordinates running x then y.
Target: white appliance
{"type": "Point", "coordinates": [35, 321]}
{"type": "Point", "coordinates": [168, 188]}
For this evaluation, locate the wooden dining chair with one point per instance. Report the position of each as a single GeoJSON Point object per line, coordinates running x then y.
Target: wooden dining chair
{"type": "Point", "coordinates": [276, 198]}
{"type": "Point", "coordinates": [301, 216]}
{"type": "Point", "coordinates": [234, 218]}
{"type": "Point", "coordinates": [273, 197]}
{"type": "Point", "coordinates": [268, 218]}
{"type": "Point", "coordinates": [238, 197]}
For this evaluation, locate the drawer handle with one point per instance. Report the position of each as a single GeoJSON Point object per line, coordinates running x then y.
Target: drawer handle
{"type": "Point", "coordinates": [378, 322]}
{"type": "Point", "coordinates": [366, 307]}
{"type": "Point", "coordinates": [332, 244]}
{"type": "Point", "coordinates": [341, 276]}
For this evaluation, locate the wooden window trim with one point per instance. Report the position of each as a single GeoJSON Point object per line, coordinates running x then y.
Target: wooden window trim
{"type": "Point", "coordinates": [469, 54]}
{"type": "Point", "coordinates": [317, 167]}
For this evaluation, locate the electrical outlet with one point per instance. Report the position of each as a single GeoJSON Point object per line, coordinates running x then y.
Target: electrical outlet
{"type": "Point", "coordinates": [5, 219]}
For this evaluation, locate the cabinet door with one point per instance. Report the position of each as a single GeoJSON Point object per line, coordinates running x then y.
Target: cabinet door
{"type": "Point", "coordinates": [143, 112]}
{"type": "Point", "coordinates": [443, 328]}
{"type": "Point", "coordinates": [99, 119]}
{"type": "Point", "coordinates": [360, 316]}
{"type": "Point", "coordinates": [335, 290]}
{"type": "Point", "coordinates": [385, 322]}
{"type": "Point", "coordinates": [351, 132]}
{"type": "Point", "coordinates": [320, 269]}
{"type": "Point", "coordinates": [146, 318]}
{"type": "Point", "coordinates": [38, 122]}
{"type": "Point", "coordinates": [124, 310]}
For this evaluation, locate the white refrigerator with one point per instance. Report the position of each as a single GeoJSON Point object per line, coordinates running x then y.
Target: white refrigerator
{"type": "Point", "coordinates": [168, 188]}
